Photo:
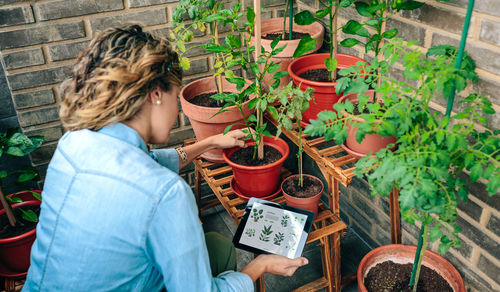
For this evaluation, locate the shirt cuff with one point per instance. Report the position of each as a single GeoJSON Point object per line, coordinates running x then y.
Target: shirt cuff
{"type": "Point", "coordinates": [237, 280]}
{"type": "Point", "coordinates": [167, 158]}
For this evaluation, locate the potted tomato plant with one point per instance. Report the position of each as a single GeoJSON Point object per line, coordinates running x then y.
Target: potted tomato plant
{"type": "Point", "coordinates": [433, 149]}
{"type": "Point", "coordinates": [195, 97]}
{"type": "Point", "coordinates": [300, 190]}
{"type": "Point", "coordinates": [257, 168]}
{"type": "Point", "coordinates": [19, 210]}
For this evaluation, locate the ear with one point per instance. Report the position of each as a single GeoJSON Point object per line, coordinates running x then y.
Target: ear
{"type": "Point", "coordinates": [154, 95]}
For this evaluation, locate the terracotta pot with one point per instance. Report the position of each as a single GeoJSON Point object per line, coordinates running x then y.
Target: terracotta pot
{"type": "Point", "coordinates": [202, 119]}
{"type": "Point", "coordinates": [324, 92]}
{"type": "Point", "coordinates": [310, 204]}
{"type": "Point", "coordinates": [404, 254]}
{"type": "Point", "coordinates": [372, 142]}
{"type": "Point", "coordinates": [275, 25]}
{"type": "Point", "coordinates": [15, 251]}
{"type": "Point", "coordinates": [258, 181]}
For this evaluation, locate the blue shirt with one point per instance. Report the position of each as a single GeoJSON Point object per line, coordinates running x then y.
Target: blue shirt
{"type": "Point", "coordinates": [117, 218]}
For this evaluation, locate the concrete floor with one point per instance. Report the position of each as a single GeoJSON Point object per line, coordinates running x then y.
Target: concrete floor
{"type": "Point", "coordinates": [353, 250]}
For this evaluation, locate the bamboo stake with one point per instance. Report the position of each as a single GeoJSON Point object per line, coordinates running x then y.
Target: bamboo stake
{"type": "Point", "coordinates": [257, 32]}
{"type": "Point", "coordinates": [334, 38]}
{"type": "Point", "coordinates": [220, 88]}
{"type": "Point", "coordinates": [8, 210]}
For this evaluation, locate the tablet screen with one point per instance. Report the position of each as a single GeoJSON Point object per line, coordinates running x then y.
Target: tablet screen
{"type": "Point", "coordinates": [268, 227]}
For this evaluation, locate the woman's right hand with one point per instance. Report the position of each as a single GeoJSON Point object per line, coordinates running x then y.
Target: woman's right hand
{"type": "Point", "coordinates": [274, 264]}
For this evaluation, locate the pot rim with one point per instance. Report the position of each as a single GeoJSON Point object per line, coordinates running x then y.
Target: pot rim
{"type": "Point", "coordinates": [323, 56]}
{"type": "Point", "coordinates": [24, 235]}
{"type": "Point", "coordinates": [304, 174]}
{"type": "Point", "coordinates": [185, 101]}
{"type": "Point", "coordinates": [251, 143]}
{"type": "Point", "coordinates": [429, 253]}
{"type": "Point", "coordinates": [316, 35]}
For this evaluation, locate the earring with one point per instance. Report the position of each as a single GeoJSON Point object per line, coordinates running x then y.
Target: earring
{"type": "Point", "coordinates": [158, 101]}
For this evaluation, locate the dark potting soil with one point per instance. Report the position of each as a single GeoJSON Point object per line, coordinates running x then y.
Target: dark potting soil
{"type": "Point", "coordinates": [295, 35]}
{"type": "Point", "coordinates": [23, 226]}
{"type": "Point", "coordinates": [391, 277]}
{"type": "Point", "coordinates": [310, 187]}
{"type": "Point", "coordinates": [205, 100]}
{"type": "Point", "coordinates": [365, 110]}
{"type": "Point", "coordinates": [320, 75]}
{"type": "Point", "coordinates": [244, 156]}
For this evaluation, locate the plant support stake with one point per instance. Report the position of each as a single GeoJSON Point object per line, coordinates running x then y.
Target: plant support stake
{"type": "Point", "coordinates": [460, 54]}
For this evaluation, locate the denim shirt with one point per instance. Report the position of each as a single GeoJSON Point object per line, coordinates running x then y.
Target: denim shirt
{"type": "Point", "coordinates": [117, 218]}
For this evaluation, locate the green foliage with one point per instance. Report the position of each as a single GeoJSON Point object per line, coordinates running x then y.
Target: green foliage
{"type": "Point", "coordinates": [14, 143]}
{"type": "Point", "coordinates": [375, 13]}
{"type": "Point", "coordinates": [238, 51]}
{"type": "Point", "coordinates": [432, 149]}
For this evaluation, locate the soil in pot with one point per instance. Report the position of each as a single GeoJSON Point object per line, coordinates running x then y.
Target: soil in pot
{"type": "Point", "coordinates": [295, 35]}
{"type": "Point", "coordinates": [7, 231]}
{"type": "Point", "coordinates": [205, 100]}
{"type": "Point", "coordinates": [244, 156]}
{"type": "Point", "coordinates": [319, 75]}
{"type": "Point", "coordinates": [391, 277]}
{"type": "Point", "coordinates": [310, 187]}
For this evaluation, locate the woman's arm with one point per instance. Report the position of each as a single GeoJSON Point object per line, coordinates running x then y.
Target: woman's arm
{"type": "Point", "coordinates": [231, 139]}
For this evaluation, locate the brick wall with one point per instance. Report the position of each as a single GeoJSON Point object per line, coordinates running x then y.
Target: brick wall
{"type": "Point", "coordinates": [478, 260]}
{"type": "Point", "coordinates": [39, 41]}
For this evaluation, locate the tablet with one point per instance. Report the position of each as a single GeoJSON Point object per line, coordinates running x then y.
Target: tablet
{"type": "Point", "coordinates": [268, 227]}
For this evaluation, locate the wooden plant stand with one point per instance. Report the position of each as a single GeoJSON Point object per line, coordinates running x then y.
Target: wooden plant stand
{"type": "Point", "coordinates": [337, 168]}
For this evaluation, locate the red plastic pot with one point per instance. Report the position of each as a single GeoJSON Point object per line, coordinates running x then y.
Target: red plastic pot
{"type": "Point", "coordinates": [372, 142]}
{"type": "Point", "coordinates": [24, 196]}
{"type": "Point", "coordinates": [404, 254]}
{"type": "Point", "coordinates": [275, 25]}
{"type": "Point", "coordinates": [15, 251]}
{"type": "Point", "coordinates": [324, 92]}
{"type": "Point", "coordinates": [202, 119]}
{"type": "Point", "coordinates": [258, 181]}
{"type": "Point", "coordinates": [310, 203]}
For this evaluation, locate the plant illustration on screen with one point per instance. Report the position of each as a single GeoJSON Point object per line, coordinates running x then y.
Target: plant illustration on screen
{"type": "Point", "coordinates": [284, 220]}
{"type": "Point", "coordinates": [257, 214]}
{"type": "Point", "coordinates": [278, 238]}
{"type": "Point", "coordinates": [250, 232]}
{"type": "Point", "coordinates": [265, 233]}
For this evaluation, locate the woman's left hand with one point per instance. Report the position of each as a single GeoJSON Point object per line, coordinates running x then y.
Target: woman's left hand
{"type": "Point", "coordinates": [231, 139]}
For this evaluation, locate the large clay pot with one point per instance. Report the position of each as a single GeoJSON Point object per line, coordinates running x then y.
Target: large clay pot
{"type": "Point", "coordinates": [15, 251]}
{"type": "Point", "coordinates": [310, 203]}
{"type": "Point", "coordinates": [258, 181]}
{"type": "Point", "coordinates": [275, 25]}
{"type": "Point", "coordinates": [372, 142]}
{"type": "Point", "coordinates": [404, 254]}
{"type": "Point", "coordinates": [324, 92]}
{"type": "Point", "coordinates": [202, 119]}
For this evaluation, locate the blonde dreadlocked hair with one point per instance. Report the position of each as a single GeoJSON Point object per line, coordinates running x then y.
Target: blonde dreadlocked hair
{"type": "Point", "coordinates": [114, 75]}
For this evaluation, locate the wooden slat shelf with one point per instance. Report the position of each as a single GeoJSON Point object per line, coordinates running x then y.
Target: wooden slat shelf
{"type": "Point", "coordinates": [337, 167]}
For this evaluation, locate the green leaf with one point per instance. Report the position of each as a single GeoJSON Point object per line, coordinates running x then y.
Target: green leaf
{"type": "Point", "coordinates": [362, 8]}
{"type": "Point", "coordinates": [390, 33]}
{"type": "Point", "coordinates": [19, 139]}
{"type": "Point", "coordinates": [27, 176]}
{"type": "Point", "coordinates": [322, 13]}
{"type": "Point", "coordinates": [305, 45]}
{"type": "Point", "coordinates": [331, 64]}
{"type": "Point", "coordinates": [372, 23]}
{"type": "Point", "coordinates": [250, 15]}
{"type": "Point", "coordinates": [440, 136]}
{"type": "Point", "coordinates": [252, 103]}
{"type": "Point", "coordinates": [3, 174]}
{"type": "Point", "coordinates": [493, 185]}
{"type": "Point", "coordinates": [184, 63]}
{"type": "Point", "coordinates": [410, 5]}
{"type": "Point", "coordinates": [349, 42]}
{"type": "Point", "coordinates": [215, 48]}
{"type": "Point", "coordinates": [273, 111]}
{"type": "Point", "coordinates": [435, 233]}
{"type": "Point", "coordinates": [226, 130]}
{"type": "Point", "coordinates": [15, 151]}
{"type": "Point", "coordinates": [345, 3]}
{"type": "Point", "coordinates": [29, 215]}
{"type": "Point", "coordinates": [213, 17]}
{"type": "Point", "coordinates": [304, 18]}
{"type": "Point", "coordinates": [476, 172]}
{"type": "Point", "coordinates": [232, 41]}
{"type": "Point", "coordinates": [273, 68]}
{"type": "Point", "coordinates": [354, 27]}
{"type": "Point", "coordinates": [342, 84]}
{"type": "Point", "coordinates": [275, 42]}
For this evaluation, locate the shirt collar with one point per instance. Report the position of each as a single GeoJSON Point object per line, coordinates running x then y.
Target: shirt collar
{"type": "Point", "coordinates": [124, 133]}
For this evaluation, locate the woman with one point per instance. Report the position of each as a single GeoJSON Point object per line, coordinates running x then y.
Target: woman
{"type": "Point", "coordinates": [114, 215]}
